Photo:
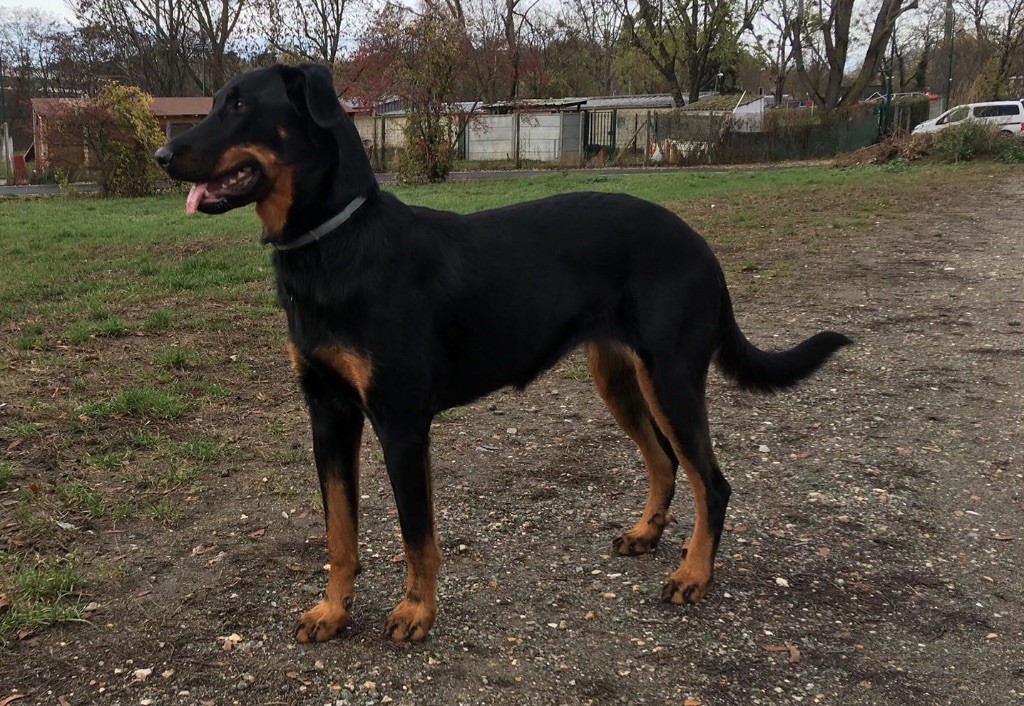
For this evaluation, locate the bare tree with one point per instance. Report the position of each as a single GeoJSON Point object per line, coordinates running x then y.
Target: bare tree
{"type": "Point", "coordinates": [599, 23]}
{"type": "Point", "coordinates": [823, 40]}
{"type": "Point", "coordinates": [773, 41]}
{"type": "Point", "coordinates": [311, 30]}
{"type": "Point", "coordinates": [1004, 28]}
{"type": "Point", "coordinates": [149, 41]}
{"type": "Point", "coordinates": [215, 22]}
{"type": "Point", "coordinates": [914, 43]}
{"type": "Point", "coordinates": [688, 41]}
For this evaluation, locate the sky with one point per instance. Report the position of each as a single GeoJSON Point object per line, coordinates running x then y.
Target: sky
{"type": "Point", "coordinates": [56, 7]}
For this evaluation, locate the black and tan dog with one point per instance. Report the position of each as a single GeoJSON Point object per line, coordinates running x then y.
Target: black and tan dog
{"type": "Point", "coordinates": [396, 313]}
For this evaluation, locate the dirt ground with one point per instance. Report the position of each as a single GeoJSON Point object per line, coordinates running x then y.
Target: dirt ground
{"type": "Point", "coordinates": [873, 554]}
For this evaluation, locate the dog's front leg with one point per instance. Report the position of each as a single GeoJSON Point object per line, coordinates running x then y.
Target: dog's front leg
{"type": "Point", "coordinates": [337, 431]}
{"type": "Point", "coordinates": [407, 455]}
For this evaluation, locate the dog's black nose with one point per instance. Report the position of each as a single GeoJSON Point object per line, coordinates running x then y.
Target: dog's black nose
{"type": "Point", "coordinates": [163, 156]}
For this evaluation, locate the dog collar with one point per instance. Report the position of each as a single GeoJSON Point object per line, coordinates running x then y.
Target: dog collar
{"type": "Point", "coordinates": [322, 229]}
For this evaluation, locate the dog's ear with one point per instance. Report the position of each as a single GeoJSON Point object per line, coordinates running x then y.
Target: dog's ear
{"type": "Point", "coordinates": [311, 90]}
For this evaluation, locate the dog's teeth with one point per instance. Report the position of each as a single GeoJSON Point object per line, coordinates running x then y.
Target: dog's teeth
{"type": "Point", "coordinates": [241, 174]}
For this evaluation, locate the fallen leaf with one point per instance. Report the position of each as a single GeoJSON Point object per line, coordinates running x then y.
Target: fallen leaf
{"type": "Point", "coordinates": [258, 533]}
{"type": "Point", "coordinates": [11, 698]}
{"type": "Point", "coordinates": [294, 567]}
{"type": "Point", "coordinates": [25, 632]}
{"type": "Point", "coordinates": [216, 559]}
{"type": "Point", "coordinates": [691, 702]}
{"type": "Point", "coordinates": [167, 673]}
{"type": "Point", "coordinates": [775, 648]}
{"type": "Point", "coordinates": [298, 677]}
{"type": "Point", "coordinates": [824, 552]}
{"type": "Point", "coordinates": [201, 549]}
{"type": "Point", "coordinates": [1002, 537]}
{"type": "Point", "coordinates": [63, 702]}
{"type": "Point", "coordinates": [794, 654]}
{"type": "Point", "coordinates": [5, 604]}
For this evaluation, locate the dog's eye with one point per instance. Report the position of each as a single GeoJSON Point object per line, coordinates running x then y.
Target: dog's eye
{"type": "Point", "coordinates": [238, 106]}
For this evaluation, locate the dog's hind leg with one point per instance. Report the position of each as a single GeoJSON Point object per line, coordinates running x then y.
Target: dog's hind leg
{"type": "Point", "coordinates": [678, 406]}
{"type": "Point", "coordinates": [407, 456]}
{"type": "Point", "coordinates": [613, 369]}
{"type": "Point", "coordinates": [337, 431]}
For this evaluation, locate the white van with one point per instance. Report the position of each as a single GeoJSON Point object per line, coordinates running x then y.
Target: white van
{"type": "Point", "coordinates": [1008, 116]}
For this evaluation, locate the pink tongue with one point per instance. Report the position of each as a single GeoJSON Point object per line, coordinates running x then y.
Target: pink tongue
{"type": "Point", "coordinates": [195, 197]}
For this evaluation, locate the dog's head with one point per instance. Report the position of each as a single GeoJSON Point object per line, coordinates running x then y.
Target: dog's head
{"type": "Point", "coordinates": [276, 137]}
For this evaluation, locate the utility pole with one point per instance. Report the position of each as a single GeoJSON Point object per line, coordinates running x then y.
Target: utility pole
{"type": "Point", "coordinates": [949, 39]}
{"type": "Point", "coordinates": [3, 104]}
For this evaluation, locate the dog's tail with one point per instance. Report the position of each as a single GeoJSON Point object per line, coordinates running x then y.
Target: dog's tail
{"type": "Point", "coordinates": [763, 371]}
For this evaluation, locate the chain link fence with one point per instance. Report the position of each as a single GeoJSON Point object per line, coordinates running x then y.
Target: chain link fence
{"type": "Point", "coordinates": [690, 137]}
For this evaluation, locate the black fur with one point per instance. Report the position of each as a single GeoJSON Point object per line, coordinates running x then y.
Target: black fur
{"type": "Point", "coordinates": [447, 308]}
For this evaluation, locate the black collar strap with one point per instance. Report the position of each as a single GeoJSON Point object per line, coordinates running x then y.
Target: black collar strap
{"type": "Point", "coordinates": [324, 228]}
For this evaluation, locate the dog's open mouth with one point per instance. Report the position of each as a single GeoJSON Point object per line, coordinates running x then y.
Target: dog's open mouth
{"type": "Point", "coordinates": [224, 193]}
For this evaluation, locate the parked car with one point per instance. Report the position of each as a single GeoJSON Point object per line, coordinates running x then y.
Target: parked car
{"type": "Point", "coordinates": [1008, 116]}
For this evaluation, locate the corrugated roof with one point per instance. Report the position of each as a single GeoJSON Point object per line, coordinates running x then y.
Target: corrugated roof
{"type": "Point", "coordinates": [724, 103]}
{"type": "Point", "coordinates": [187, 106]}
{"type": "Point", "coordinates": [48, 106]}
{"type": "Point", "coordinates": [164, 107]}
{"type": "Point", "coordinates": [658, 100]}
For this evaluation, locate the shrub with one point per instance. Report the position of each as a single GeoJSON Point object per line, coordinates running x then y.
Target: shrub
{"type": "Point", "coordinates": [429, 156]}
{"type": "Point", "coordinates": [966, 141]}
{"type": "Point", "coordinates": [1010, 149]}
{"type": "Point", "coordinates": [120, 133]}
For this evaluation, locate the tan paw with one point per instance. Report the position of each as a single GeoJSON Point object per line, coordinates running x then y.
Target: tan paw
{"type": "Point", "coordinates": [643, 538]}
{"type": "Point", "coordinates": [410, 621]}
{"type": "Point", "coordinates": [323, 622]}
{"type": "Point", "coordinates": [686, 585]}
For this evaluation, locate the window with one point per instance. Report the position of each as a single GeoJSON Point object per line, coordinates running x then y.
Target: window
{"type": "Point", "coordinates": [957, 114]}
{"type": "Point", "coordinates": [996, 111]}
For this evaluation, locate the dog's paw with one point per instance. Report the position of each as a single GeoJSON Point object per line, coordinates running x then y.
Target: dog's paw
{"type": "Point", "coordinates": [643, 538]}
{"type": "Point", "coordinates": [631, 544]}
{"type": "Point", "coordinates": [410, 621]}
{"type": "Point", "coordinates": [323, 622]}
{"type": "Point", "coordinates": [686, 587]}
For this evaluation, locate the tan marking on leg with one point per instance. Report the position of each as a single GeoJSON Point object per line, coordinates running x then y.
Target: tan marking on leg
{"type": "Point", "coordinates": [325, 620]}
{"type": "Point", "coordinates": [298, 364]}
{"type": "Point", "coordinates": [692, 579]}
{"type": "Point", "coordinates": [354, 368]}
{"type": "Point", "coordinates": [413, 617]}
{"type": "Point", "coordinates": [613, 369]}
{"type": "Point", "coordinates": [273, 208]}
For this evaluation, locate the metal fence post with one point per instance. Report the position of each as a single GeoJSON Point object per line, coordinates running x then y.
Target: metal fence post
{"type": "Point", "coordinates": [515, 137]}
{"type": "Point", "coordinates": [647, 140]}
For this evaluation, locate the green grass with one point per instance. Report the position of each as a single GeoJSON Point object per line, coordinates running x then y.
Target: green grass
{"type": "Point", "coordinates": [78, 497]}
{"type": "Point", "coordinates": [166, 512]}
{"type": "Point", "coordinates": [21, 430]}
{"type": "Point", "coordinates": [144, 402]}
{"type": "Point", "coordinates": [8, 471]}
{"type": "Point", "coordinates": [70, 262]}
{"type": "Point", "coordinates": [172, 358]}
{"type": "Point", "coordinates": [159, 320]}
{"type": "Point", "coordinates": [41, 592]}
{"type": "Point", "coordinates": [201, 450]}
